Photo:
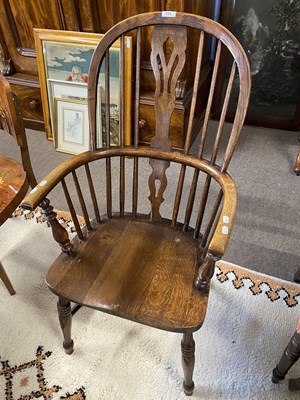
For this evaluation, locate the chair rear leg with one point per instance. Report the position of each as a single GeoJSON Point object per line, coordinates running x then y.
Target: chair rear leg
{"type": "Point", "coordinates": [289, 357]}
{"type": "Point", "coordinates": [65, 320]}
{"type": "Point", "coordinates": [188, 362]}
{"type": "Point", "coordinates": [6, 281]}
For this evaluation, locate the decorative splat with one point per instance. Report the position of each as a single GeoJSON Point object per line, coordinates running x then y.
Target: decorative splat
{"type": "Point", "coordinates": [167, 61]}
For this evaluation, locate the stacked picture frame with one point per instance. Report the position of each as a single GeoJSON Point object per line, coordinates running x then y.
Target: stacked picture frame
{"type": "Point", "coordinates": [63, 65]}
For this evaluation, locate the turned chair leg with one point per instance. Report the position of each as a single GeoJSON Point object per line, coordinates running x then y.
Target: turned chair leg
{"type": "Point", "coordinates": [290, 356]}
{"type": "Point", "coordinates": [188, 362]}
{"type": "Point", "coordinates": [65, 320]}
{"type": "Point", "coordinates": [6, 280]}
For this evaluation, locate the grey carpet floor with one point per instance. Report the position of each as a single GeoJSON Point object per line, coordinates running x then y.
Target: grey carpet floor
{"type": "Point", "coordinates": [266, 234]}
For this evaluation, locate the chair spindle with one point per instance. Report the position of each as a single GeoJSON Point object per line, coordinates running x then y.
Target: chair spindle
{"type": "Point", "coordinates": [107, 101]}
{"type": "Point", "coordinates": [122, 90]}
{"type": "Point", "coordinates": [122, 186]}
{"type": "Point", "coordinates": [72, 210]}
{"type": "Point", "coordinates": [178, 195]}
{"type": "Point", "coordinates": [93, 193]}
{"type": "Point", "coordinates": [135, 186]}
{"type": "Point", "coordinates": [212, 218]}
{"type": "Point", "coordinates": [108, 187]}
{"type": "Point", "coordinates": [81, 201]}
{"type": "Point", "coordinates": [223, 114]}
{"type": "Point", "coordinates": [210, 100]}
{"type": "Point", "coordinates": [137, 87]}
{"type": "Point", "coordinates": [191, 199]}
{"type": "Point", "coordinates": [195, 93]}
{"type": "Point", "coordinates": [202, 206]}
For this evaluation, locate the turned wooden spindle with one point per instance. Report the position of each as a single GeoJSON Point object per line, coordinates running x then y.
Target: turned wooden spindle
{"type": "Point", "coordinates": [206, 271]}
{"type": "Point", "coordinates": [59, 232]}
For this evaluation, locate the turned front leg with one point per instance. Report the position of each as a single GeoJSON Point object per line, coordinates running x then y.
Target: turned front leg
{"type": "Point", "coordinates": [188, 362]}
{"type": "Point", "coordinates": [65, 320]}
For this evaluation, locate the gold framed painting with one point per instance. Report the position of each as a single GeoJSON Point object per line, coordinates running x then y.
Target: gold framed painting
{"type": "Point", "coordinates": [63, 63]}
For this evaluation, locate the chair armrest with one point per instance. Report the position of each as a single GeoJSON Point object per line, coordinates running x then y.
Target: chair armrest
{"type": "Point", "coordinates": [219, 240]}
{"type": "Point", "coordinates": [225, 224]}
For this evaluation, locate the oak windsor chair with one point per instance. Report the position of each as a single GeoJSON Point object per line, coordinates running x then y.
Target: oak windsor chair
{"type": "Point", "coordinates": [155, 266]}
{"type": "Point", "coordinates": [15, 177]}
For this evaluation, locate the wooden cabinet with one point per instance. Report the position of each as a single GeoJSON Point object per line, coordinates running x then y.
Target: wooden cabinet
{"type": "Point", "coordinates": [19, 17]}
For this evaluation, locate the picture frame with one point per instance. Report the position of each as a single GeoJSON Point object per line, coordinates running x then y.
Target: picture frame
{"type": "Point", "coordinates": [72, 133]}
{"type": "Point", "coordinates": [63, 61]}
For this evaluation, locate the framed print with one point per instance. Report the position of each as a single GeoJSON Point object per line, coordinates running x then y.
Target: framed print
{"type": "Point", "coordinates": [63, 64]}
{"type": "Point", "coordinates": [62, 90]}
{"type": "Point", "coordinates": [72, 127]}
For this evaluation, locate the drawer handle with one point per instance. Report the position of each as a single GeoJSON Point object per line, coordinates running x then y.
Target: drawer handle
{"type": "Point", "coordinates": [33, 104]}
{"type": "Point", "coordinates": [142, 123]}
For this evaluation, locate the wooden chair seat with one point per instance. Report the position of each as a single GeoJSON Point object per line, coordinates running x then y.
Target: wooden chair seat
{"type": "Point", "coordinates": [13, 185]}
{"type": "Point", "coordinates": [120, 277]}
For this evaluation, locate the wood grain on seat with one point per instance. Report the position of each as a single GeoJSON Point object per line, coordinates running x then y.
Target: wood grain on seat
{"type": "Point", "coordinates": [138, 270]}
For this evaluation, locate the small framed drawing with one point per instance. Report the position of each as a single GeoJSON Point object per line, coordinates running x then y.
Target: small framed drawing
{"type": "Point", "coordinates": [72, 127]}
{"type": "Point", "coordinates": [63, 64]}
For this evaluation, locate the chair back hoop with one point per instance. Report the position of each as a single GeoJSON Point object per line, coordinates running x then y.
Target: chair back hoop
{"type": "Point", "coordinates": [166, 74]}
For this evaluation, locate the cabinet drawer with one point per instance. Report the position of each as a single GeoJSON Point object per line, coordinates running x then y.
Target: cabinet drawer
{"type": "Point", "coordinates": [31, 102]}
{"type": "Point", "coordinates": [147, 125]}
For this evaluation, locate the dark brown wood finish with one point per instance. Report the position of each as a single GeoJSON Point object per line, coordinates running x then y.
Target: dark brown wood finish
{"type": "Point", "coordinates": [65, 320]}
{"type": "Point", "coordinates": [15, 177]}
{"type": "Point", "coordinates": [297, 163]}
{"type": "Point", "coordinates": [150, 267]}
{"type": "Point", "coordinates": [290, 355]}
{"type": "Point", "coordinates": [188, 362]}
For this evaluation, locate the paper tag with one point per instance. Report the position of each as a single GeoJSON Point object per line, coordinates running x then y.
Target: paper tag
{"type": "Point", "coordinates": [168, 14]}
{"type": "Point", "coordinates": [226, 219]}
{"type": "Point", "coordinates": [225, 230]}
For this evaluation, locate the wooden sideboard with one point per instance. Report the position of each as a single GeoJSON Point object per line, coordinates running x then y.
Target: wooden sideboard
{"type": "Point", "coordinates": [18, 18]}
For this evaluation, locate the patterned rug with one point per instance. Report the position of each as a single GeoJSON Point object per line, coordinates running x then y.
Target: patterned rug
{"type": "Point", "coordinates": [250, 319]}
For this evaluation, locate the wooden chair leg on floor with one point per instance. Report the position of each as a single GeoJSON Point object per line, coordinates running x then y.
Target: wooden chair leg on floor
{"type": "Point", "coordinates": [6, 280]}
{"type": "Point", "coordinates": [290, 356]}
{"type": "Point", "coordinates": [65, 320]}
{"type": "Point", "coordinates": [188, 362]}
{"type": "Point", "coordinates": [297, 163]}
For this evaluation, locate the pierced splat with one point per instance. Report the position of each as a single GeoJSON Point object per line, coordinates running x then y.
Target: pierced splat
{"type": "Point", "coordinates": [167, 60]}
